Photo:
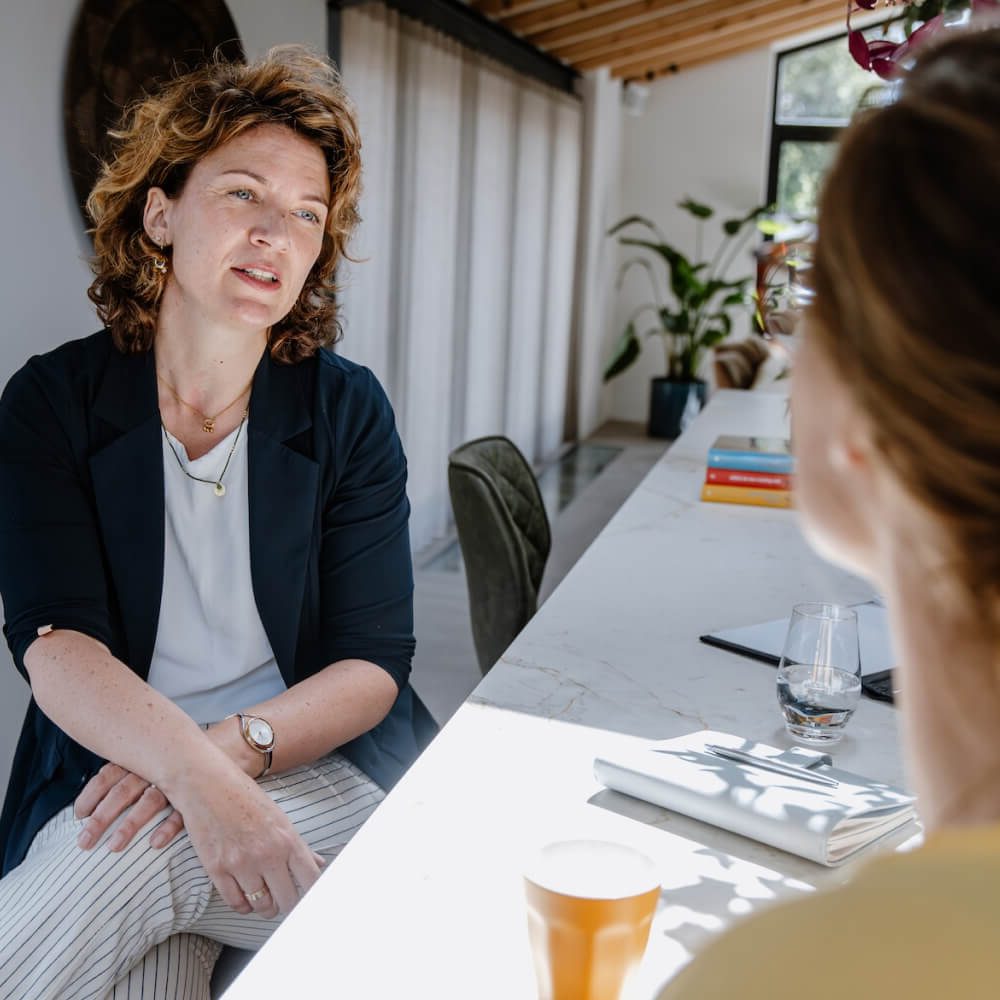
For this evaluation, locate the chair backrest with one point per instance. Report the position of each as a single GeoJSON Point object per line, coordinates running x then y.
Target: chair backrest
{"type": "Point", "coordinates": [505, 539]}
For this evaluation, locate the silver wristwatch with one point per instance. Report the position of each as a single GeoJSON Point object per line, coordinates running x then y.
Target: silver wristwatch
{"type": "Point", "coordinates": [259, 735]}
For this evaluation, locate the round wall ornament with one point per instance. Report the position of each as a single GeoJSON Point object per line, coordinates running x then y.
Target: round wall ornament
{"type": "Point", "coordinates": [121, 49]}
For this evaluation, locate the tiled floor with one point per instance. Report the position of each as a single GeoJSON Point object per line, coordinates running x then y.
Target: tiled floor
{"type": "Point", "coordinates": [581, 493]}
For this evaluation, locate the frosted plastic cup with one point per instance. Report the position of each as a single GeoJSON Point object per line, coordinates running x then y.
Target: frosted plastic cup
{"type": "Point", "coordinates": [590, 907]}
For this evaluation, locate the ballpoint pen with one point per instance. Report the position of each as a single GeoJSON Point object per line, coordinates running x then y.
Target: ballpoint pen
{"type": "Point", "coordinates": [769, 764]}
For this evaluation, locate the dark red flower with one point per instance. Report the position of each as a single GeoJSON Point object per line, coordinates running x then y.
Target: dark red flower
{"type": "Point", "coordinates": [858, 45]}
{"type": "Point", "coordinates": [884, 57]}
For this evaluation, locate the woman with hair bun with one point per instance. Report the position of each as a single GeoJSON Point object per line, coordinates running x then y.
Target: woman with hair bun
{"type": "Point", "coordinates": [896, 415]}
{"type": "Point", "coordinates": [204, 553]}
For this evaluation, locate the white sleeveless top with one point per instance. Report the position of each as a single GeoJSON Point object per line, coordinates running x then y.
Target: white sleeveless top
{"type": "Point", "coordinates": [212, 656]}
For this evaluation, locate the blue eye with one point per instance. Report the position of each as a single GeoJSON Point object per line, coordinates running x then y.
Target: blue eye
{"type": "Point", "coordinates": [307, 215]}
{"type": "Point", "coordinates": [243, 194]}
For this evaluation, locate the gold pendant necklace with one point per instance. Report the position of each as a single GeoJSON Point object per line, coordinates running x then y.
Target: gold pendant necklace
{"type": "Point", "coordinates": [207, 422]}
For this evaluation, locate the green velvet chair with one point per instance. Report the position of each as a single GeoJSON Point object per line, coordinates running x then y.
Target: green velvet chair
{"type": "Point", "coordinates": [504, 534]}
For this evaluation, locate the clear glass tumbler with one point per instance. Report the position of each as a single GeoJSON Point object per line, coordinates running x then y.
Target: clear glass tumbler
{"type": "Point", "coordinates": [819, 676]}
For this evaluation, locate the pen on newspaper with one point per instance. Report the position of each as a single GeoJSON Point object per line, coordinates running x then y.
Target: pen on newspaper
{"type": "Point", "coordinates": [768, 764]}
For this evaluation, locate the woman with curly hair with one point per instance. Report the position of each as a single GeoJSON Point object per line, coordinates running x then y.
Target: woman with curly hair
{"type": "Point", "coordinates": [204, 555]}
{"type": "Point", "coordinates": [896, 415]}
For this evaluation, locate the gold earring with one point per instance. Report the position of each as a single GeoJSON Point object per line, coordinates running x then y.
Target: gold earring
{"type": "Point", "coordinates": [159, 260]}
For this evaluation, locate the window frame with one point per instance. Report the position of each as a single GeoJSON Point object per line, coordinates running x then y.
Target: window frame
{"type": "Point", "coordinates": [800, 133]}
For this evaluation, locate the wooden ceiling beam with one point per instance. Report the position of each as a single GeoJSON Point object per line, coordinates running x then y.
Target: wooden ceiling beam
{"type": "Point", "coordinates": [716, 16]}
{"type": "Point", "coordinates": [673, 43]}
{"type": "Point", "coordinates": [507, 8]}
{"type": "Point", "coordinates": [639, 17]}
{"type": "Point", "coordinates": [672, 59]}
{"type": "Point", "coordinates": [533, 21]}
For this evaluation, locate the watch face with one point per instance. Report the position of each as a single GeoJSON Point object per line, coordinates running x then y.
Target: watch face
{"type": "Point", "coordinates": [260, 732]}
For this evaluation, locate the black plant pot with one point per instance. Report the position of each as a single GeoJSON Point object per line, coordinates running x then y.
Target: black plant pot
{"type": "Point", "coordinates": [673, 405]}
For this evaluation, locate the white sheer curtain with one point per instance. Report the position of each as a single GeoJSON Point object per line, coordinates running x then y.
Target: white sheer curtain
{"type": "Point", "coordinates": [461, 303]}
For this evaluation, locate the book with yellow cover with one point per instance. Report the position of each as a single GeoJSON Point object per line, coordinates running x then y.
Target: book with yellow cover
{"type": "Point", "coordinates": [747, 495]}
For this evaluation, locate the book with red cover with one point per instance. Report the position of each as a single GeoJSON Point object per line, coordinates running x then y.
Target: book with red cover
{"type": "Point", "coordinates": [744, 477]}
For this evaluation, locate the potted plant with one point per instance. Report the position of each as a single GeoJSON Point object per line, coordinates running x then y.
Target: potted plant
{"type": "Point", "coordinates": [689, 310]}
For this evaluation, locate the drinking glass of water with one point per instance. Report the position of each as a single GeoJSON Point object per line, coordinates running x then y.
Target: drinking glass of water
{"type": "Point", "coordinates": [819, 676]}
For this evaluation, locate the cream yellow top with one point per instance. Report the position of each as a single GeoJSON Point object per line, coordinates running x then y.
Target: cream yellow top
{"type": "Point", "coordinates": [919, 926]}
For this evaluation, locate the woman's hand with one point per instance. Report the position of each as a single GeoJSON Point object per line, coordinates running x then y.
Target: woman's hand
{"type": "Point", "coordinates": [115, 792]}
{"type": "Point", "coordinates": [245, 842]}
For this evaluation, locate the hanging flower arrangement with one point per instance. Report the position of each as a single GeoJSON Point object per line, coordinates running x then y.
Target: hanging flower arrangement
{"type": "Point", "coordinates": [922, 19]}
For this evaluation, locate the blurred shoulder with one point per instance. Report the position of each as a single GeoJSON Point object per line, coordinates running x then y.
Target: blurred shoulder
{"type": "Point", "coordinates": [921, 925]}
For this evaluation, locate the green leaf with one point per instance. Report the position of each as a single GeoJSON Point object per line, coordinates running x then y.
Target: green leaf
{"type": "Point", "coordinates": [630, 220]}
{"type": "Point", "coordinates": [704, 294]}
{"type": "Point", "coordinates": [712, 337]}
{"type": "Point", "coordinates": [676, 322]}
{"type": "Point", "coordinates": [626, 351]}
{"type": "Point", "coordinates": [732, 226]}
{"type": "Point", "coordinates": [696, 208]}
{"type": "Point", "coordinates": [685, 284]}
{"type": "Point", "coordinates": [734, 299]}
{"type": "Point", "coordinates": [679, 269]}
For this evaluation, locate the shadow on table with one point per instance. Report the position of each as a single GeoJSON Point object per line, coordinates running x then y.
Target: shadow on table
{"type": "Point", "coordinates": [717, 872]}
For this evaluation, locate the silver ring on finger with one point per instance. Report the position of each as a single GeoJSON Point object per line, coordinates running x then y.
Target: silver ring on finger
{"type": "Point", "coordinates": [252, 897]}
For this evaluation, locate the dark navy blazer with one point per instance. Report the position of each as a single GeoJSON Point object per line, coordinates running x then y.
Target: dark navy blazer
{"type": "Point", "coordinates": [82, 535]}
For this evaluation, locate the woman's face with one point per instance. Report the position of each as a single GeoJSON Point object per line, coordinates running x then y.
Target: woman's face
{"type": "Point", "coordinates": [835, 481]}
{"type": "Point", "coordinates": [245, 230]}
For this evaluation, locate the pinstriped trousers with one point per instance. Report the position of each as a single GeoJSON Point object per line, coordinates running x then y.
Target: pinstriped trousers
{"type": "Point", "coordinates": [148, 923]}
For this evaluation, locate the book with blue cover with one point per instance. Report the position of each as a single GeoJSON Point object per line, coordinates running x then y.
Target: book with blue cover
{"type": "Point", "coordinates": [756, 454]}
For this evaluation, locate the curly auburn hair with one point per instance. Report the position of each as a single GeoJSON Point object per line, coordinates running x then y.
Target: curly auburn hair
{"type": "Point", "coordinates": [907, 278]}
{"type": "Point", "coordinates": [165, 134]}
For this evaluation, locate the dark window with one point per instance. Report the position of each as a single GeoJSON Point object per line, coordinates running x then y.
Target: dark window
{"type": "Point", "coordinates": [817, 89]}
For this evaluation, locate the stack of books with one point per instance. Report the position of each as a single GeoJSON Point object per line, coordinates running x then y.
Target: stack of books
{"type": "Point", "coordinates": [751, 470]}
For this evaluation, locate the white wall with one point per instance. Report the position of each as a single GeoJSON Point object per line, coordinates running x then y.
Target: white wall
{"type": "Point", "coordinates": [263, 23]}
{"type": "Point", "coordinates": [43, 274]}
{"type": "Point", "coordinates": [705, 133]}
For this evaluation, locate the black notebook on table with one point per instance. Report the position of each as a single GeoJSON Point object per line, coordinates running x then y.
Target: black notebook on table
{"type": "Point", "coordinates": [764, 642]}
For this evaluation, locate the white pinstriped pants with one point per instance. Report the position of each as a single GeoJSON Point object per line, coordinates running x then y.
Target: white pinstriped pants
{"type": "Point", "coordinates": [148, 923]}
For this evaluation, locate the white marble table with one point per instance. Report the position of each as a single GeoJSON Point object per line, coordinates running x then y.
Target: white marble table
{"type": "Point", "coordinates": [427, 900]}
